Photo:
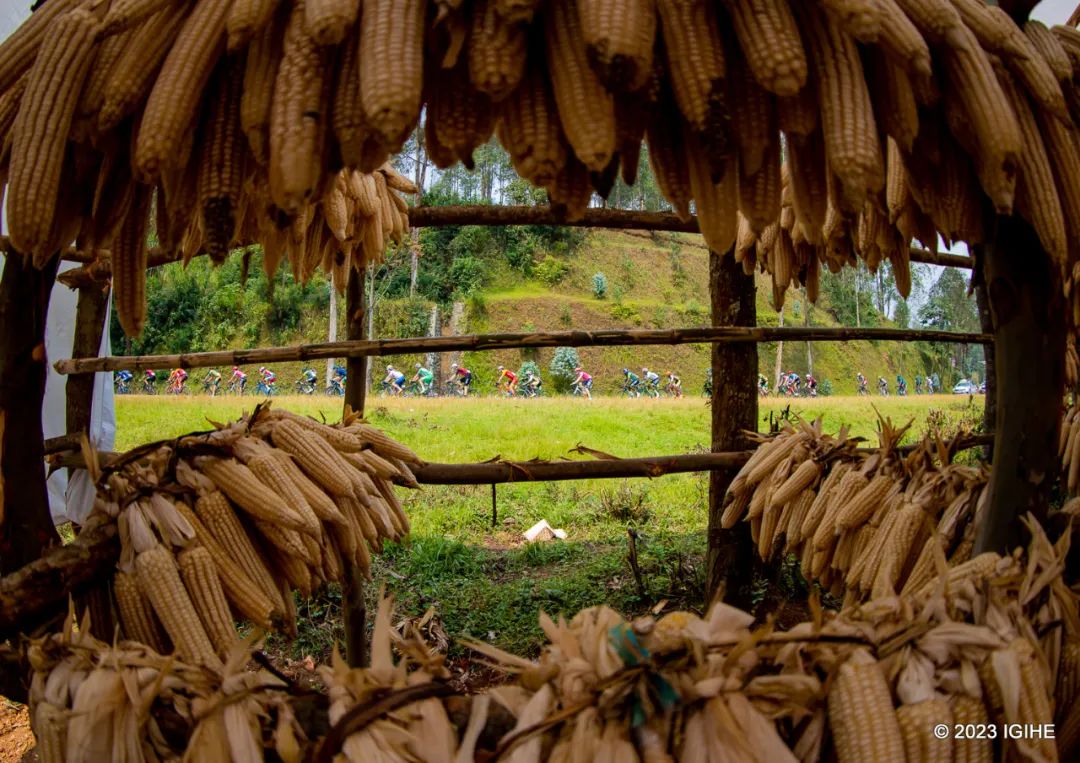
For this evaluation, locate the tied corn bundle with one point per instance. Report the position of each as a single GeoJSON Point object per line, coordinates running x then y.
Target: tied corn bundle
{"type": "Point", "coordinates": [225, 526]}
{"type": "Point", "coordinates": [271, 122]}
{"type": "Point", "coordinates": [996, 644]}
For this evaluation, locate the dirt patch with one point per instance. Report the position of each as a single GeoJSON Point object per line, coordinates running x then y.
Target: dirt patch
{"type": "Point", "coordinates": [17, 741]}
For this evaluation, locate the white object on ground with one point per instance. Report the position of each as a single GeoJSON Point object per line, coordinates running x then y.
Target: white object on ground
{"type": "Point", "coordinates": [543, 531]}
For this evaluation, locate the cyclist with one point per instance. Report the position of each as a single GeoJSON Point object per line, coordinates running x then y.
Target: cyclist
{"type": "Point", "coordinates": [901, 385]}
{"type": "Point", "coordinates": [394, 381]}
{"type": "Point", "coordinates": [531, 384]}
{"type": "Point", "coordinates": [212, 382]}
{"type": "Point", "coordinates": [238, 380]}
{"type": "Point", "coordinates": [123, 382]}
{"type": "Point", "coordinates": [149, 380]}
{"type": "Point", "coordinates": [268, 379]}
{"type": "Point", "coordinates": [930, 386]}
{"type": "Point", "coordinates": [861, 381]}
{"type": "Point", "coordinates": [462, 377]}
{"type": "Point", "coordinates": [177, 379]}
{"type": "Point", "coordinates": [510, 378]}
{"type": "Point", "coordinates": [674, 385]}
{"type": "Point", "coordinates": [762, 385]}
{"type": "Point", "coordinates": [882, 386]}
{"type": "Point", "coordinates": [423, 377]}
{"type": "Point", "coordinates": [811, 385]}
{"type": "Point", "coordinates": [306, 385]}
{"type": "Point", "coordinates": [794, 383]}
{"type": "Point", "coordinates": [652, 382]}
{"type": "Point", "coordinates": [918, 384]}
{"type": "Point", "coordinates": [631, 383]}
{"type": "Point", "coordinates": [583, 382]}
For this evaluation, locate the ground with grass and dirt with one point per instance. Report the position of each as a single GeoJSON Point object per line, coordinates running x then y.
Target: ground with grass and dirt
{"type": "Point", "coordinates": [484, 581]}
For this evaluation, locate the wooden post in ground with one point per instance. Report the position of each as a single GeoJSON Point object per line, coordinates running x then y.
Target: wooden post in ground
{"type": "Point", "coordinates": [730, 555]}
{"type": "Point", "coordinates": [26, 526]}
{"type": "Point", "coordinates": [92, 307]}
{"type": "Point", "coordinates": [352, 595]}
{"type": "Point", "coordinates": [1026, 304]}
{"type": "Point", "coordinates": [986, 325]}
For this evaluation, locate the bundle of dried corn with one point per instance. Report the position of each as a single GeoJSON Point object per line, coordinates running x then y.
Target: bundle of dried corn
{"type": "Point", "coordinates": [992, 641]}
{"type": "Point", "coordinates": [895, 117]}
{"type": "Point", "coordinates": [226, 525]}
{"type": "Point", "coordinates": [862, 524]}
{"type": "Point", "coordinates": [93, 701]}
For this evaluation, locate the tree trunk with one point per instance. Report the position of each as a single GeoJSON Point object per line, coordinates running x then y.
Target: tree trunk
{"type": "Point", "coordinates": [986, 324]}
{"type": "Point", "coordinates": [332, 332]}
{"type": "Point", "coordinates": [858, 323]}
{"type": "Point", "coordinates": [730, 556]}
{"type": "Point", "coordinates": [1026, 305]}
{"type": "Point", "coordinates": [352, 594]}
{"type": "Point", "coordinates": [807, 307]}
{"type": "Point", "coordinates": [26, 526]}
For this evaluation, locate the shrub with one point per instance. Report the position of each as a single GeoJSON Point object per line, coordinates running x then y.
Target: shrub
{"type": "Point", "coordinates": [826, 388]}
{"type": "Point", "coordinates": [599, 286]}
{"type": "Point", "coordinates": [563, 363]}
{"type": "Point", "coordinates": [469, 273]}
{"type": "Point", "coordinates": [529, 367]}
{"type": "Point", "coordinates": [566, 318]}
{"type": "Point", "coordinates": [551, 270]}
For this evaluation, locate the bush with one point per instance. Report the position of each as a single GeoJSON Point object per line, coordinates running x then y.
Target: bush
{"type": "Point", "coordinates": [826, 388]}
{"type": "Point", "coordinates": [551, 270]}
{"type": "Point", "coordinates": [529, 367]}
{"type": "Point", "coordinates": [563, 363]}
{"type": "Point", "coordinates": [468, 273]}
{"type": "Point", "coordinates": [599, 286]}
{"type": "Point", "coordinates": [566, 318]}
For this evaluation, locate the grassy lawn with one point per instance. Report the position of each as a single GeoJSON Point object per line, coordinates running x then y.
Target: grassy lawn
{"type": "Point", "coordinates": [484, 581]}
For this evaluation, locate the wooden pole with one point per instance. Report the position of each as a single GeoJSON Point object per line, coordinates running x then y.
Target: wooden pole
{"type": "Point", "coordinates": [90, 312]}
{"type": "Point", "coordinates": [1026, 305]}
{"type": "Point", "coordinates": [352, 594]}
{"type": "Point", "coordinates": [730, 553]}
{"type": "Point", "coordinates": [26, 526]}
{"type": "Point", "coordinates": [986, 324]}
{"type": "Point", "coordinates": [480, 342]}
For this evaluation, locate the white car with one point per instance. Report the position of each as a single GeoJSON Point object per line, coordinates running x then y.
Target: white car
{"type": "Point", "coordinates": [965, 387]}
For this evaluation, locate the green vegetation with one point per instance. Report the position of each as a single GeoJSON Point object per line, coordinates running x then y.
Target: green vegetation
{"type": "Point", "coordinates": [485, 581]}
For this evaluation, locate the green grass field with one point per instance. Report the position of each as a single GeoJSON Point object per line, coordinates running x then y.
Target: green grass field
{"type": "Point", "coordinates": [484, 581]}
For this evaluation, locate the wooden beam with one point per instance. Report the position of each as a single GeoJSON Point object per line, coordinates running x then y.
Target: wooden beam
{"type": "Point", "coordinates": [478, 342]}
{"type": "Point", "coordinates": [26, 526]}
{"type": "Point", "coordinates": [354, 608]}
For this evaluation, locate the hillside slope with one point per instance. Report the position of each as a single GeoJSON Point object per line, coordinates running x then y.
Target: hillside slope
{"type": "Point", "coordinates": [659, 281]}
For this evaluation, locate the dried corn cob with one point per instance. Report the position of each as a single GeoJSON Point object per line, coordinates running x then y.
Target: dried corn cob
{"type": "Point", "coordinates": [900, 40]}
{"type": "Point", "coordinates": [200, 577]}
{"type": "Point", "coordinates": [160, 582]}
{"type": "Point", "coordinates": [19, 50]}
{"type": "Point", "coordinates": [174, 99]}
{"type": "Point", "coordinates": [392, 30]}
{"type": "Point", "coordinates": [669, 164]}
{"type": "Point", "coordinates": [221, 166]}
{"type": "Point", "coordinates": [328, 21]}
{"type": "Point", "coordinates": [136, 614]}
{"type": "Point", "coordinates": [770, 40]}
{"type": "Point", "coordinates": [129, 251]}
{"type": "Point", "coordinates": [1050, 48]}
{"type": "Point", "coordinates": [862, 19]}
{"type": "Point", "coordinates": [260, 67]}
{"type": "Point", "coordinates": [967, 710]}
{"type": "Point", "coordinates": [894, 99]}
{"type": "Point", "coordinates": [1035, 76]}
{"type": "Point", "coordinates": [619, 38]}
{"type": "Point", "coordinates": [462, 117]}
{"type": "Point", "coordinates": [715, 202]}
{"type": "Point", "coordinates": [759, 194]}
{"type": "Point", "coordinates": [314, 454]}
{"type": "Point", "coordinates": [247, 19]}
{"type": "Point", "coordinates": [40, 132]}
{"type": "Point", "coordinates": [497, 51]}
{"type": "Point", "coordinates": [246, 490]}
{"type": "Point", "coordinates": [861, 716]}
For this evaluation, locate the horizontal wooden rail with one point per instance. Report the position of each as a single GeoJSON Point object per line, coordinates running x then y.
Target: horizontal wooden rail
{"type": "Point", "coordinates": [481, 342]}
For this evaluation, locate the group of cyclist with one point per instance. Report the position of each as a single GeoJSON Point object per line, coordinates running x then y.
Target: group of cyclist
{"type": "Point", "coordinates": [923, 385]}
{"type": "Point", "coordinates": [266, 385]}
{"type": "Point", "coordinates": [648, 384]}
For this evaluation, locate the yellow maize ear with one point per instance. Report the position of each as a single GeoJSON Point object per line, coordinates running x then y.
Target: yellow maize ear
{"type": "Point", "coordinates": [328, 21]}
{"type": "Point", "coordinates": [1068, 731]}
{"type": "Point", "coordinates": [394, 509]}
{"type": "Point", "coordinates": [124, 14]}
{"type": "Point", "coordinates": [50, 724]}
{"type": "Point", "coordinates": [462, 117]}
{"type": "Point", "coordinates": [993, 122]}
{"type": "Point", "coordinates": [1067, 690]}
{"type": "Point", "coordinates": [19, 50]}
{"type": "Point", "coordinates": [175, 97]}
{"type": "Point", "coordinates": [816, 510]}
{"type": "Point", "coordinates": [901, 41]}
{"type": "Point", "coordinates": [270, 470]}
{"type": "Point", "coordinates": [586, 109]}
{"type": "Point", "coordinates": [160, 582]}
{"type": "Point", "coordinates": [993, 28]}
{"type": "Point", "coordinates": [129, 253]}
{"type": "Point", "coordinates": [1037, 79]}
{"type": "Point", "coordinates": [697, 70]}
{"type": "Point", "coordinates": [10, 101]}
{"type": "Point", "coordinates": [291, 571]}
{"type": "Point", "coordinates": [897, 194]}
{"type": "Point", "coordinates": [336, 213]}
{"type": "Point", "coordinates": [298, 117]}
{"type": "Point", "coordinates": [1036, 194]}
{"type": "Point", "coordinates": [200, 577]}
{"type": "Point", "coordinates": [133, 75]}
{"type": "Point", "coordinates": [715, 202]}
{"type": "Point", "coordinates": [243, 488]}
{"type": "Point", "coordinates": [570, 192]}
{"type": "Point", "coordinates": [314, 455]}
{"type": "Point", "coordinates": [256, 601]}
{"type": "Point", "coordinates": [938, 20]}
{"type": "Point", "coordinates": [529, 129]}
{"type": "Point", "coordinates": [755, 128]}
{"type": "Point", "coordinates": [619, 38]}
{"type": "Point", "coordinates": [497, 51]}
{"type": "Point", "coordinates": [862, 506]}
{"type": "Point", "coordinates": [221, 166]}
{"type": "Point", "coordinates": [967, 710]}
{"type": "Point", "coordinates": [247, 19]}
{"type": "Point", "coordinates": [288, 542]}
{"type": "Point", "coordinates": [392, 30]}
{"type": "Point", "coordinates": [109, 52]}
{"type": "Point", "coordinates": [769, 38]}
{"type": "Point", "coordinates": [136, 615]}
{"type": "Point", "coordinates": [917, 722]}
{"type": "Point", "coordinates": [260, 69]}
{"type": "Point", "coordinates": [847, 117]}
{"type": "Point", "coordinates": [807, 173]}
{"type": "Point", "coordinates": [1050, 48]}
{"type": "Point", "coordinates": [861, 715]}
{"type": "Point", "coordinates": [40, 132]}
{"type": "Point", "coordinates": [759, 194]}
{"type": "Point", "coordinates": [517, 11]}
{"type": "Point", "coordinates": [797, 115]}
{"type": "Point", "coordinates": [803, 477]}
{"type": "Point", "coordinates": [1035, 708]}
{"type": "Point", "coordinates": [894, 99]}
{"type": "Point", "coordinates": [669, 164]}
{"type": "Point", "coordinates": [862, 19]}
{"type": "Point", "coordinates": [347, 112]}
{"type": "Point", "coordinates": [113, 195]}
